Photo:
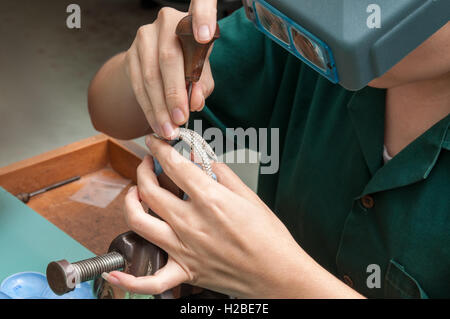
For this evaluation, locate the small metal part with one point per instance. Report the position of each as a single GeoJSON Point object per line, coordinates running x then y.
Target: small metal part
{"type": "Point", "coordinates": [186, 125]}
{"type": "Point", "coordinates": [25, 197]}
{"type": "Point", "coordinates": [63, 276]}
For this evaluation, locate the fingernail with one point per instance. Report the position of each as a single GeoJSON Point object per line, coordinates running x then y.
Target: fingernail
{"type": "Point", "coordinates": [202, 104]}
{"type": "Point", "coordinates": [132, 188]}
{"type": "Point", "coordinates": [110, 279]}
{"type": "Point", "coordinates": [156, 129]}
{"type": "Point", "coordinates": [168, 130]}
{"type": "Point", "coordinates": [178, 116]}
{"type": "Point", "coordinates": [203, 33]}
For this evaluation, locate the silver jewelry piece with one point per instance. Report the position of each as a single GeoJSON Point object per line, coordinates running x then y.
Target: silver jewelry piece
{"type": "Point", "coordinates": [200, 148]}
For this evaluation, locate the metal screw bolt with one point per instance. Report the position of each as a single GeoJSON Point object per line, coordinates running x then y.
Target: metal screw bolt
{"type": "Point", "coordinates": [63, 276]}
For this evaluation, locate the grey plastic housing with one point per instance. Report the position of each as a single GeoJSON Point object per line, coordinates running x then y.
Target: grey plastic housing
{"type": "Point", "coordinates": [362, 53]}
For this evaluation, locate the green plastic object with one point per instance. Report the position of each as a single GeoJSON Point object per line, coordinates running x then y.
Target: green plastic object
{"type": "Point", "coordinates": [28, 242]}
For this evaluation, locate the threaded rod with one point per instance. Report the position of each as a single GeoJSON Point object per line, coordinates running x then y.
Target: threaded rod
{"type": "Point", "coordinates": [90, 268]}
{"type": "Point", "coordinates": [63, 276]}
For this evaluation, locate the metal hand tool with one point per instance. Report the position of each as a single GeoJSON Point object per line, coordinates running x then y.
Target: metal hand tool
{"type": "Point", "coordinates": [128, 252]}
{"type": "Point", "coordinates": [25, 197]}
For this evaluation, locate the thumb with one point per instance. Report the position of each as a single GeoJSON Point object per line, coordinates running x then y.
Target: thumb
{"type": "Point", "coordinates": [204, 19]}
{"type": "Point", "coordinates": [168, 277]}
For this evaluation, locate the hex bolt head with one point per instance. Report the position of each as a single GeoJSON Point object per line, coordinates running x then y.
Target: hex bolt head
{"type": "Point", "coordinates": [61, 277]}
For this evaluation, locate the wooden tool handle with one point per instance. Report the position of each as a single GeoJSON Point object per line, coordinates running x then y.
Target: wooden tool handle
{"type": "Point", "coordinates": [194, 53]}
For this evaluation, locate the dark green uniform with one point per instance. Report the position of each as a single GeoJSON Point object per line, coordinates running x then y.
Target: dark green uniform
{"type": "Point", "coordinates": [340, 202]}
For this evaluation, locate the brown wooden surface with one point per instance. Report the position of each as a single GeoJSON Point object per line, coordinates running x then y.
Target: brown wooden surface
{"type": "Point", "coordinates": [92, 226]}
{"type": "Point", "coordinates": [79, 158]}
{"type": "Point", "coordinates": [123, 162]}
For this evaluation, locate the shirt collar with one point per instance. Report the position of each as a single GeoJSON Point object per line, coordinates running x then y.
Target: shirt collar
{"type": "Point", "coordinates": [366, 109]}
{"type": "Point", "coordinates": [413, 163]}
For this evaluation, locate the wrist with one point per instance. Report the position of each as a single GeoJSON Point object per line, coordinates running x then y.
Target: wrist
{"type": "Point", "coordinates": [299, 276]}
{"type": "Point", "coordinates": [283, 276]}
{"type": "Point", "coordinates": [314, 281]}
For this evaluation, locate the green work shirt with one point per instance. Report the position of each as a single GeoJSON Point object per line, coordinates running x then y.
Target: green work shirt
{"type": "Point", "coordinates": [346, 208]}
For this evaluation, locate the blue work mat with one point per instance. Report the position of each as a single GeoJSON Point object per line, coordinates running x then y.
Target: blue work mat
{"type": "Point", "coordinates": [28, 242]}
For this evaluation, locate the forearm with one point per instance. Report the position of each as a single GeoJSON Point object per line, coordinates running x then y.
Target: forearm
{"type": "Point", "coordinates": [305, 278]}
{"type": "Point", "coordinates": [113, 107]}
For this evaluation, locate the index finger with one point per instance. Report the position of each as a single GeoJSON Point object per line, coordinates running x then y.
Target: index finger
{"type": "Point", "coordinates": [189, 177]}
{"type": "Point", "coordinates": [204, 19]}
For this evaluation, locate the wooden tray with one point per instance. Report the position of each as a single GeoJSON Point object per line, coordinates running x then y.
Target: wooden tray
{"type": "Point", "coordinates": [92, 226]}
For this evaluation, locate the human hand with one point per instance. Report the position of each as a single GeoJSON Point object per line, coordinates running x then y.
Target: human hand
{"type": "Point", "coordinates": [155, 68]}
{"type": "Point", "coordinates": [223, 238]}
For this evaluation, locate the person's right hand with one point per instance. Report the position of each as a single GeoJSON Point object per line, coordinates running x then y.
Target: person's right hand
{"type": "Point", "coordinates": [155, 67]}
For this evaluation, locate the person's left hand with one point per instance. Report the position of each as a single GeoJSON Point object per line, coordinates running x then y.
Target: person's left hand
{"type": "Point", "coordinates": [223, 238]}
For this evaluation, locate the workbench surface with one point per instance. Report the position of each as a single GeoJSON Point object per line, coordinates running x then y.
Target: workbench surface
{"type": "Point", "coordinates": [28, 242]}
